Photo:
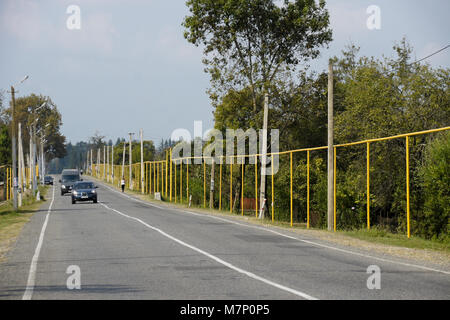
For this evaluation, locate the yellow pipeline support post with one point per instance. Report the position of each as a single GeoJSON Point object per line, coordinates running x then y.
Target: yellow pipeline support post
{"type": "Point", "coordinates": [273, 202]}
{"type": "Point", "coordinates": [187, 180]}
{"type": "Point", "coordinates": [11, 190]}
{"type": "Point", "coordinates": [167, 170]}
{"type": "Point", "coordinates": [242, 191]}
{"type": "Point", "coordinates": [181, 181]}
{"type": "Point", "coordinates": [162, 177]}
{"type": "Point", "coordinates": [220, 185]}
{"type": "Point", "coordinates": [292, 203]}
{"type": "Point", "coordinates": [7, 184]}
{"type": "Point", "coordinates": [175, 184]}
{"type": "Point", "coordinates": [231, 186]}
{"type": "Point", "coordinates": [152, 181]}
{"type": "Point", "coordinates": [170, 179]}
{"type": "Point", "coordinates": [408, 222]}
{"type": "Point", "coordinates": [368, 185]}
{"type": "Point", "coordinates": [334, 190]}
{"type": "Point", "coordinates": [307, 191]}
{"type": "Point", "coordinates": [256, 186]}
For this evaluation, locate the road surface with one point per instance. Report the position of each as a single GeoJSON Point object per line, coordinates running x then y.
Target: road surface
{"type": "Point", "coordinates": [125, 248]}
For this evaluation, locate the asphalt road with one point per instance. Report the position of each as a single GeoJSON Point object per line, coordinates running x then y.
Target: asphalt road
{"type": "Point", "coordinates": [127, 249]}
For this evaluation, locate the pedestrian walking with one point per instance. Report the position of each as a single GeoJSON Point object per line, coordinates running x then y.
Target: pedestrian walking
{"type": "Point", "coordinates": [122, 182]}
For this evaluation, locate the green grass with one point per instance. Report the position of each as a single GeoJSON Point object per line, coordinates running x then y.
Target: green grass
{"type": "Point", "coordinates": [382, 236]}
{"type": "Point", "coordinates": [12, 222]}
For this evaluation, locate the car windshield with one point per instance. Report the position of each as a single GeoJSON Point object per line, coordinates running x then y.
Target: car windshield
{"type": "Point", "coordinates": [70, 178]}
{"type": "Point", "coordinates": [85, 185]}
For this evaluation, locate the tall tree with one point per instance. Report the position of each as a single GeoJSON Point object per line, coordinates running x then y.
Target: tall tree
{"type": "Point", "coordinates": [43, 113]}
{"type": "Point", "coordinates": [248, 43]}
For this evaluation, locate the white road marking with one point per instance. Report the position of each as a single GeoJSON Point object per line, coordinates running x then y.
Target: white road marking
{"type": "Point", "coordinates": [217, 259]}
{"type": "Point", "coordinates": [290, 237]}
{"type": "Point", "coordinates": [32, 274]}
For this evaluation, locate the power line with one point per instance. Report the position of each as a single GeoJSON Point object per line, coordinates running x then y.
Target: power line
{"type": "Point", "coordinates": [434, 53]}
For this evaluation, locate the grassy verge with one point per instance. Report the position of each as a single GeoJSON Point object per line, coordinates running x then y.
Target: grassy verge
{"type": "Point", "coordinates": [12, 222]}
{"type": "Point", "coordinates": [385, 237]}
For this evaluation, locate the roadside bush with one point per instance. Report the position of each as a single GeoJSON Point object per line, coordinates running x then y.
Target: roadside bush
{"type": "Point", "coordinates": [433, 221]}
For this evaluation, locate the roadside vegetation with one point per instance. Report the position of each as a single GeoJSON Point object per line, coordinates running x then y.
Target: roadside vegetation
{"type": "Point", "coordinates": [12, 222]}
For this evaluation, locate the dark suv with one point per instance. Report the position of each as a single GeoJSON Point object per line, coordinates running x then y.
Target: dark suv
{"type": "Point", "coordinates": [48, 180]}
{"type": "Point", "coordinates": [68, 178]}
{"type": "Point", "coordinates": [84, 191]}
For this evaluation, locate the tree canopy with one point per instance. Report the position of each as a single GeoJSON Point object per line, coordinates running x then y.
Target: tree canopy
{"type": "Point", "coordinates": [44, 113]}
{"type": "Point", "coordinates": [248, 43]}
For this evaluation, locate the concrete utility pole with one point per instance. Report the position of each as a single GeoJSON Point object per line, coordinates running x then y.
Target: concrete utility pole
{"type": "Point", "coordinates": [123, 162]}
{"type": "Point", "coordinates": [14, 144]}
{"type": "Point", "coordinates": [131, 160]}
{"type": "Point", "coordinates": [142, 160]}
{"type": "Point", "coordinates": [211, 191]}
{"type": "Point", "coordinates": [107, 164]}
{"type": "Point", "coordinates": [20, 175]}
{"type": "Point", "coordinates": [43, 159]}
{"type": "Point", "coordinates": [33, 157]}
{"type": "Point", "coordinates": [104, 163]}
{"type": "Point", "coordinates": [330, 198]}
{"type": "Point", "coordinates": [112, 163]}
{"type": "Point", "coordinates": [262, 192]}
{"type": "Point", "coordinates": [92, 162]}
{"type": "Point", "coordinates": [98, 163]}
{"type": "Point", "coordinates": [14, 151]}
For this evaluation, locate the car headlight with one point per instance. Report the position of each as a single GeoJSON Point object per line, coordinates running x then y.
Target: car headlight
{"type": "Point", "coordinates": [63, 186]}
{"type": "Point", "coordinates": [94, 192]}
{"type": "Point", "coordinates": [75, 193]}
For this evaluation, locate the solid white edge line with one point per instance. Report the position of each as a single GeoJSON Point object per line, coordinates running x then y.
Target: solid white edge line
{"type": "Point", "coordinates": [217, 259]}
{"type": "Point", "coordinates": [290, 237]}
{"type": "Point", "coordinates": [32, 274]}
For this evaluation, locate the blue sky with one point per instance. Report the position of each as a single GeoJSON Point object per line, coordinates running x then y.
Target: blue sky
{"type": "Point", "coordinates": [129, 67]}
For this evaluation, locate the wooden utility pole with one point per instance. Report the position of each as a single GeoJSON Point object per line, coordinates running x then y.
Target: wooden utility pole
{"type": "Point", "coordinates": [330, 198]}
{"type": "Point", "coordinates": [211, 189]}
{"type": "Point", "coordinates": [262, 192]}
